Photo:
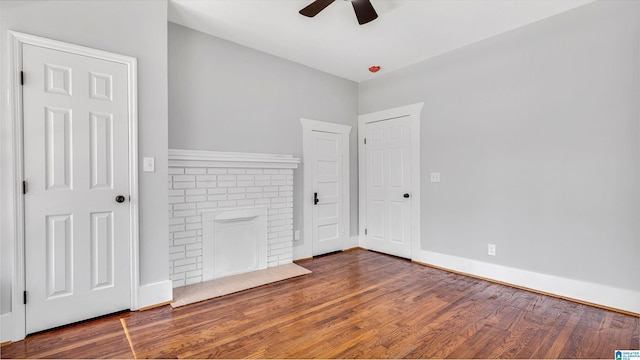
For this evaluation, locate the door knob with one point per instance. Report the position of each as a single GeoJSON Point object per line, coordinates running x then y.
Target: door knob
{"type": "Point", "coordinates": [315, 198]}
{"type": "Point", "coordinates": [406, 196]}
{"type": "Point", "coordinates": [120, 198]}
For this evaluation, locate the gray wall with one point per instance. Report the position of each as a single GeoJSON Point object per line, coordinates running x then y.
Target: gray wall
{"type": "Point", "coordinates": [134, 28]}
{"type": "Point", "coordinates": [227, 97]}
{"type": "Point", "coordinates": [536, 134]}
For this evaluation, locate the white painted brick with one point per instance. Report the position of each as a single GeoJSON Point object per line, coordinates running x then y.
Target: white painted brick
{"type": "Point", "coordinates": [254, 171]}
{"type": "Point", "coordinates": [285, 210]}
{"type": "Point", "coordinates": [262, 183]}
{"type": "Point", "coordinates": [245, 203]}
{"type": "Point", "coordinates": [278, 182]}
{"type": "Point", "coordinates": [286, 193]}
{"type": "Point", "coordinates": [275, 228]}
{"type": "Point", "coordinates": [184, 241]}
{"type": "Point", "coordinates": [194, 226]}
{"type": "Point", "coordinates": [235, 190]}
{"type": "Point", "coordinates": [278, 200]}
{"type": "Point", "coordinates": [206, 178]}
{"type": "Point", "coordinates": [217, 191]}
{"type": "Point", "coordinates": [184, 206]}
{"type": "Point", "coordinates": [223, 204]}
{"type": "Point", "coordinates": [285, 216]}
{"type": "Point", "coordinates": [184, 185]}
{"type": "Point", "coordinates": [193, 246]}
{"type": "Point", "coordinates": [206, 184]}
{"type": "Point", "coordinates": [193, 219]}
{"type": "Point", "coordinates": [269, 194]}
{"type": "Point", "coordinates": [263, 201]}
{"type": "Point", "coordinates": [176, 199]}
{"type": "Point", "coordinates": [245, 177]}
{"type": "Point", "coordinates": [196, 198]}
{"type": "Point", "coordinates": [195, 171]}
{"type": "Point", "coordinates": [277, 222]}
{"type": "Point", "coordinates": [176, 228]}
{"type": "Point", "coordinates": [176, 256]}
{"type": "Point", "coordinates": [245, 183]}
{"type": "Point", "coordinates": [270, 188]}
{"type": "Point", "coordinates": [181, 262]}
{"type": "Point", "coordinates": [182, 178]}
{"type": "Point", "coordinates": [177, 276]}
{"type": "Point", "coordinates": [184, 213]}
{"type": "Point", "coordinates": [226, 184]}
{"type": "Point", "coordinates": [175, 171]}
{"type": "Point", "coordinates": [254, 195]}
{"type": "Point", "coordinates": [194, 273]}
{"type": "Point", "coordinates": [289, 182]}
{"type": "Point", "coordinates": [217, 197]}
{"type": "Point", "coordinates": [176, 249]}
{"type": "Point", "coordinates": [236, 171]}
{"type": "Point", "coordinates": [183, 234]}
{"type": "Point", "coordinates": [180, 283]}
{"type": "Point", "coordinates": [235, 196]}
{"type": "Point", "coordinates": [176, 192]}
{"type": "Point", "coordinates": [184, 268]}
{"type": "Point", "coordinates": [208, 205]}
{"type": "Point", "coordinates": [216, 171]}
{"type": "Point", "coordinates": [196, 191]}
{"type": "Point", "coordinates": [278, 205]}
{"type": "Point", "coordinates": [286, 171]}
{"type": "Point", "coordinates": [176, 221]}
{"type": "Point", "coordinates": [285, 188]}
{"type": "Point", "coordinates": [226, 178]}
{"type": "Point", "coordinates": [193, 254]}
{"type": "Point", "coordinates": [193, 280]}
{"type": "Point", "coordinates": [271, 171]}
{"type": "Point", "coordinates": [278, 177]}
{"type": "Point", "coordinates": [254, 189]}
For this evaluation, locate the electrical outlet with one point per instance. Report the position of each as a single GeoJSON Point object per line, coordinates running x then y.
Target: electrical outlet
{"type": "Point", "coordinates": [491, 249]}
{"type": "Point", "coordinates": [296, 235]}
{"type": "Point", "coordinates": [434, 177]}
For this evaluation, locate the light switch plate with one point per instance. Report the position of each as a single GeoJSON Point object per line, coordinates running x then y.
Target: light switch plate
{"type": "Point", "coordinates": [435, 177]}
{"type": "Point", "coordinates": [149, 164]}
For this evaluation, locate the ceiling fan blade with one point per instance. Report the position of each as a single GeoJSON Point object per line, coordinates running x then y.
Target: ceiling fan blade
{"type": "Point", "coordinates": [364, 11]}
{"type": "Point", "coordinates": [315, 7]}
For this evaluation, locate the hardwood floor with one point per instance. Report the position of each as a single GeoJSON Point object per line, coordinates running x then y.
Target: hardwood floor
{"type": "Point", "coordinates": [356, 304]}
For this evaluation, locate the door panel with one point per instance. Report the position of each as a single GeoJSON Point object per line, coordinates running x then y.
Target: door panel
{"type": "Point", "coordinates": [388, 178]}
{"type": "Point", "coordinates": [77, 249]}
{"type": "Point", "coordinates": [327, 174]}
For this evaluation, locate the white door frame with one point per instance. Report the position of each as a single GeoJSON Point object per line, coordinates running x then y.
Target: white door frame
{"type": "Point", "coordinates": [413, 111]}
{"type": "Point", "coordinates": [16, 41]}
{"type": "Point", "coordinates": [308, 126]}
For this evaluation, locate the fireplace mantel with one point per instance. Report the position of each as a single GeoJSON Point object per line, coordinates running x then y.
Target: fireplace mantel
{"type": "Point", "coordinates": [205, 158]}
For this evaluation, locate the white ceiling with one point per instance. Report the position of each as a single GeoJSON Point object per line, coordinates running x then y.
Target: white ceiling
{"type": "Point", "coordinates": [406, 31]}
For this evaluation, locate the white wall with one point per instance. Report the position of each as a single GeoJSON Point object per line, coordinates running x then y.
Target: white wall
{"type": "Point", "coordinates": [536, 135]}
{"type": "Point", "coordinates": [133, 28]}
{"type": "Point", "coordinates": [227, 97]}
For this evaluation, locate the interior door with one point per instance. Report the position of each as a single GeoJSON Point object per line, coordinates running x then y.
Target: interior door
{"type": "Point", "coordinates": [327, 187]}
{"type": "Point", "coordinates": [388, 186]}
{"type": "Point", "coordinates": [77, 227]}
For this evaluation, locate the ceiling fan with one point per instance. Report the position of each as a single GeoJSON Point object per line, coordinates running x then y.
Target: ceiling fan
{"type": "Point", "coordinates": [363, 9]}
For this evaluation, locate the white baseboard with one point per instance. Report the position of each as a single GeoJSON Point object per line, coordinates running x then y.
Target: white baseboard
{"type": "Point", "coordinates": [616, 298]}
{"type": "Point", "coordinates": [155, 293]}
{"type": "Point", "coordinates": [9, 328]}
{"type": "Point", "coordinates": [350, 242]}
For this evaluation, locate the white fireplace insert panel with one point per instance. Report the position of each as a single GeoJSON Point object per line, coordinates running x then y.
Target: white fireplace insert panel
{"type": "Point", "coordinates": [234, 241]}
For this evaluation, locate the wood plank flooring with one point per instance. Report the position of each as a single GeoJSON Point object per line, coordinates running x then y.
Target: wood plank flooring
{"type": "Point", "coordinates": [356, 304]}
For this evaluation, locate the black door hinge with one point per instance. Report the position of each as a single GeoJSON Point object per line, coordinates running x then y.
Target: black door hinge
{"type": "Point", "coordinates": [365, 141]}
{"type": "Point", "coordinates": [24, 297]}
{"type": "Point", "coordinates": [365, 231]}
{"type": "Point", "coordinates": [24, 187]}
{"type": "Point", "coordinates": [21, 77]}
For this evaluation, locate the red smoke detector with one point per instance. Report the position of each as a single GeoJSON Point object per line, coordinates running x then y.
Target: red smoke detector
{"type": "Point", "coordinates": [374, 69]}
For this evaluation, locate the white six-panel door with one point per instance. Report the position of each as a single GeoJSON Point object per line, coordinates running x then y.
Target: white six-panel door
{"type": "Point", "coordinates": [327, 185]}
{"type": "Point", "coordinates": [388, 186]}
{"type": "Point", "coordinates": [77, 250]}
